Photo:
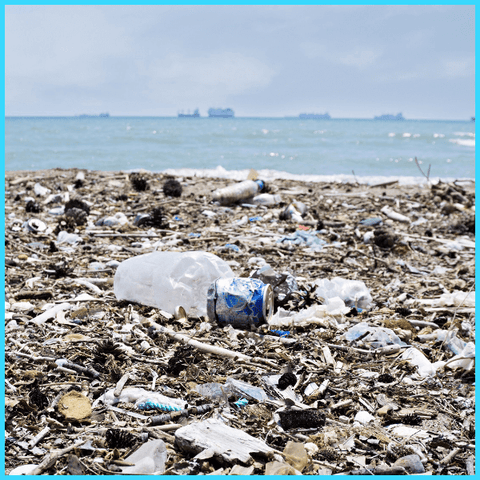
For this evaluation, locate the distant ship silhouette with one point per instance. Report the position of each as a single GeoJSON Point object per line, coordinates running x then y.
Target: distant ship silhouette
{"type": "Point", "coordinates": [314, 116]}
{"type": "Point", "coordinates": [221, 112]}
{"type": "Point", "coordinates": [102, 115]}
{"type": "Point", "coordinates": [399, 116]}
{"type": "Point", "coordinates": [195, 114]}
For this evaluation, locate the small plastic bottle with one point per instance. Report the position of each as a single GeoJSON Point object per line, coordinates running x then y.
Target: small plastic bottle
{"type": "Point", "coordinates": [238, 191]}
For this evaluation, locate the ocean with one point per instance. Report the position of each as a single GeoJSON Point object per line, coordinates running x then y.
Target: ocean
{"type": "Point", "coordinates": [369, 151]}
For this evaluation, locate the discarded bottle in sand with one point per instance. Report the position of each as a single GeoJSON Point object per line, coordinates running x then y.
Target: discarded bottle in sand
{"type": "Point", "coordinates": [168, 279]}
{"type": "Point", "coordinates": [266, 199]}
{"type": "Point", "coordinates": [295, 211]}
{"type": "Point", "coordinates": [239, 302]}
{"type": "Point", "coordinates": [238, 191]}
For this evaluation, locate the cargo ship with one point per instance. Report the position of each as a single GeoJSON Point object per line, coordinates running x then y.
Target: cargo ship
{"type": "Point", "coordinates": [314, 116]}
{"type": "Point", "coordinates": [399, 116]}
{"type": "Point", "coordinates": [102, 115]}
{"type": "Point", "coordinates": [195, 114]}
{"type": "Point", "coordinates": [221, 112]}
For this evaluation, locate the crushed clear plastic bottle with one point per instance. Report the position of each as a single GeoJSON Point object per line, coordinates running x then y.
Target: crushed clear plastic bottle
{"type": "Point", "coordinates": [168, 279]}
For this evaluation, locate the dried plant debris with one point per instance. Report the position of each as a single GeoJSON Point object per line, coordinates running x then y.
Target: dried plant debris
{"type": "Point", "coordinates": [338, 385]}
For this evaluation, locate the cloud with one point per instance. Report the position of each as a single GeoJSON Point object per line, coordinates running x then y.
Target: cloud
{"type": "Point", "coordinates": [458, 67]}
{"type": "Point", "coordinates": [61, 46]}
{"type": "Point", "coordinates": [433, 70]}
{"type": "Point", "coordinates": [359, 57]}
{"type": "Point", "coordinates": [211, 76]}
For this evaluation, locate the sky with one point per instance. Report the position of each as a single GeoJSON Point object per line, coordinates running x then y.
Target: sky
{"type": "Point", "coordinates": [352, 61]}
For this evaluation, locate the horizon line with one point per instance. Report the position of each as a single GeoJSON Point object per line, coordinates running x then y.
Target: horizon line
{"type": "Point", "coordinates": [287, 117]}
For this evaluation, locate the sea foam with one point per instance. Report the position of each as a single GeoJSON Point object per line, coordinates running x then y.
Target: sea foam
{"type": "Point", "coordinates": [272, 175]}
{"type": "Point", "coordinates": [464, 142]}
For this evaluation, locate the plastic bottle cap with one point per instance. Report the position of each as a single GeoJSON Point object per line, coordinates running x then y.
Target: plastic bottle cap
{"type": "Point", "coordinates": [260, 183]}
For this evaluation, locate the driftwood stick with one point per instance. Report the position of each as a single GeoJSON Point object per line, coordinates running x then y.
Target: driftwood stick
{"type": "Point", "coordinates": [42, 434]}
{"type": "Point", "coordinates": [52, 457]}
{"type": "Point", "coordinates": [450, 456]}
{"type": "Point", "coordinates": [470, 464]}
{"type": "Point", "coordinates": [223, 352]}
{"type": "Point", "coordinates": [33, 357]}
{"type": "Point", "coordinates": [422, 323]}
{"type": "Point", "coordinates": [375, 351]}
{"type": "Point", "coordinates": [121, 383]}
{"type": "Point", "coordinates": [380, 470]}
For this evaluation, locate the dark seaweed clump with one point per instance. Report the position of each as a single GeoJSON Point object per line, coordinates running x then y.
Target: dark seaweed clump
{"type": "Point", "coordinates": [116, 438]}
{"type": "Point", "coordinates": [139, 182]}
{"type": "Point", "coordinates": [172, 188]}
{"type": "Point", "coordinates": [78, 204]}
{"type": "Point", "coordinates": [285, 380]}
{"type": "Point", "coordinates": [33, 207]}
{"type": "Point", "coordinates": [301, 419]}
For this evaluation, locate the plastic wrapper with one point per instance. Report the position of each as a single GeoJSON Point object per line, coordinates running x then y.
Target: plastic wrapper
{"type": "Point", "coordinates": [377, 336]}
{"type": "Point", "coordinates": [353, 292]}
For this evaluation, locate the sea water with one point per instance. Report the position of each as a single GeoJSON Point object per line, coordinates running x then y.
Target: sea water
{"type": "Point", "coordinates": [365, 150]}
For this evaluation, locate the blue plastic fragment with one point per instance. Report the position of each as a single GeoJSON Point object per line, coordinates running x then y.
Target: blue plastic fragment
{"type": "Point", "coordinates": [233, 247]}
{"type": "Point", "coordinates": [255, 219]}
{"type": "Point", "coordinates": [176, 217]}
{"type": "Point", "coordinates": [241, 403]}
{"type": "Point", "coordinates": [196, 235]}
{"type": "Point", "coordinates": [281, 333]}
{"type": "Point", "coordinates": [149, 405]}
{"type": "Point", "coordinates": [371, 222]}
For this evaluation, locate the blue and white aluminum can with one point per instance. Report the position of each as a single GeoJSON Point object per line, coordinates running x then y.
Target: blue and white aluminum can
{"type": "Point", "coordinates": [239, 302]}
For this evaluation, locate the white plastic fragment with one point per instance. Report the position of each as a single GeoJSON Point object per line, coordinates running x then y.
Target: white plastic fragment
{"type": "Point", "coordinates": [465, 359]}
{"type": "Point", "coordinates": [455, 299]}
{"type": "Point", "coordinates": [40, 191]}
{"type": "Point", "coordinates": [425, 367]}
{"type": "Point", "coordinates": [368, 237]}
{"type": "Point", "coordinates": [43, 317]}
{"type": "Point", "coordinates": [316, 314]}
{"type": "Point", "coordinates": [118, 219]}
{"type": "Point", "coordinates": [22, 306]}
{"type": "Point", "coordinates": [394, 215]}
{"type": "Point", "coordinates": [65, 237]}
{"type": "Point", "coordinates": [149, 459]}
{"type": "Point", "coordinates": [218, 439]}
{"type": "Point", "coordinates": [24, 469]}
{"type": "Point", "coordinates": [353, 292]}
{"type": "Point", "coordinates": [363, 417]}
{"type": "Point", "coordinates": [377, 336]}
{"type": "Point", "coordinates": [409, 432]}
